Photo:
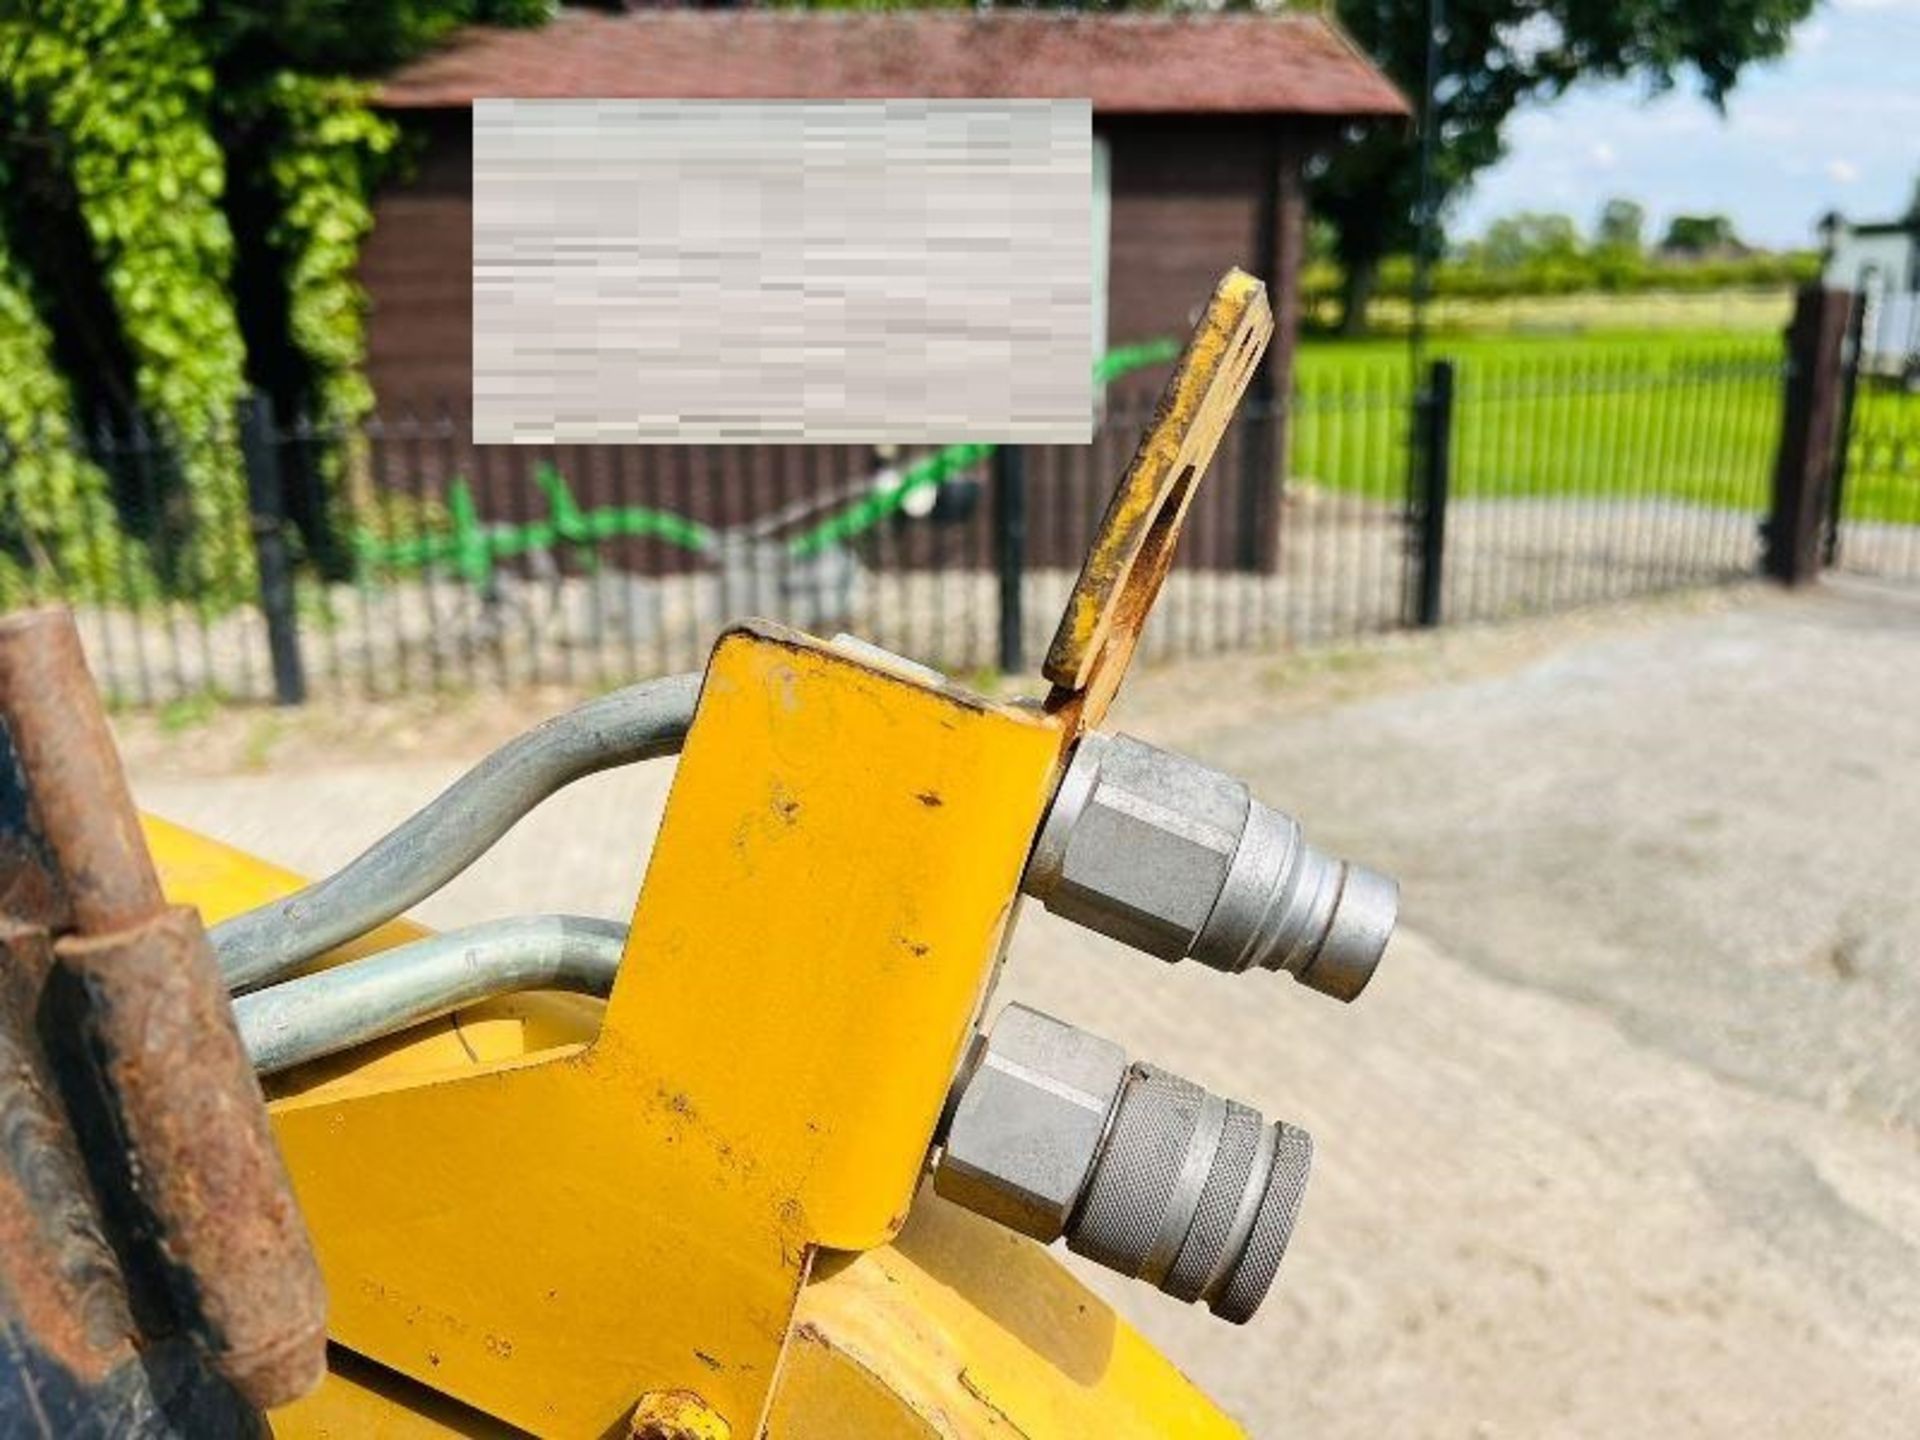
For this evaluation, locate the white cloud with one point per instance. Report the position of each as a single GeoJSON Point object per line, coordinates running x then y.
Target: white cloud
{"type": "Point", "coordinates": [1832, 123]}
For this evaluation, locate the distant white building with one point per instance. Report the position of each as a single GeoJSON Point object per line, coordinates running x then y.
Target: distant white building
{"type": "Point", "coordinates": [1882, 263]}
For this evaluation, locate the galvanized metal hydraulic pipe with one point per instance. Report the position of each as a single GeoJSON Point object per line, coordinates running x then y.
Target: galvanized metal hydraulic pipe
{"type": "Point", "coordinates": [640, 722]}
{"type": "Point", "coordinates": [324, 1013]}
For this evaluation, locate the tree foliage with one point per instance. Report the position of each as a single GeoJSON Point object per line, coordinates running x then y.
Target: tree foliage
{"type": "Point", "coordinates": [1622, 228]}
{"type": "Point", "coordinates": [1527, 238]}
{"type": "Point", "coordinates": [1461, 278]}
{"type": "Point", "coordinates": [122, 93]}
{"type": "Point", "coordinates": [324, 148]}
{"type": "Point", "coordinates": [1700, 235]}
{"type": "Point", "coordinates": [56, 507]}
{"type": "Point", "coordinates": [157, 154]}
{"type": "Point", "coordinates": [1534, 255]}
{"type": "Point", "coordinates": [1495, 55]}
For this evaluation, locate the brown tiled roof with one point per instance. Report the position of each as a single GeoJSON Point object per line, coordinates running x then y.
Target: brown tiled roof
{"type": "Point", "coordinates": [1291, 63]}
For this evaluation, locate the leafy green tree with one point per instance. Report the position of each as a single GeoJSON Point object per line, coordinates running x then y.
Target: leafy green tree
{"type": "Point", "coordinates": [183, 191]}
{"type": "Point", "coordinates": [1699, 235]}
{"type": "Point", "coordinates": [1622, 227]}
{"type": "Point", "coordinates": [1517, 241]}
{"type": "Point", "coordinates": [1495, 55]}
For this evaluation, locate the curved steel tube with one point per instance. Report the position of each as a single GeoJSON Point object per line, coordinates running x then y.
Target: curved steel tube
{"type": "Point", "coordinates": [641, 722]}
{"type": "Point", "coordinates": [334, 1010]}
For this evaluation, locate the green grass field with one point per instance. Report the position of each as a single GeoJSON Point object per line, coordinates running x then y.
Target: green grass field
{"type": "Point", "coordinates": [1666, 413]}
{"type": "Point", "coordinates": [1721, 312]}
{"type": "Point", "coordinates": [1883, 465]}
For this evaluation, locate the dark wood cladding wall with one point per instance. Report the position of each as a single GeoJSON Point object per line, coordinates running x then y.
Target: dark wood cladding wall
{"type": "Point", "coordinates": [417, 270]}
{"type": "Point", "coordinates": [1186, 198]}
{"type": "Point", "coordinates": [1189, 197]}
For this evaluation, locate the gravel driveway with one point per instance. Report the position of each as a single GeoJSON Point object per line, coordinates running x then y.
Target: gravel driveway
{"type": "Point", "coordinates": [1625, 1139]}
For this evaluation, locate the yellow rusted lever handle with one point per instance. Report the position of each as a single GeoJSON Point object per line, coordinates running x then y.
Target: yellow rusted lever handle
{"type": "Point", "coordinates": [1134, 549]}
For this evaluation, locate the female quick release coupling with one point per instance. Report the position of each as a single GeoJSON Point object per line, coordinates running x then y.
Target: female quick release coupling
{"type": "Point", "coordinates": [1053, 1132]}
{"type": "Point", "coordinates": [1179, 860]}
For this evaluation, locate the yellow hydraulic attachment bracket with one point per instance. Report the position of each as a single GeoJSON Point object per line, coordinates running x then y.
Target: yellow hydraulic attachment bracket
{"type": "Point", "coordinates": [694, 1214]}
{"type": "Point", "coordinates": [1131, 554]}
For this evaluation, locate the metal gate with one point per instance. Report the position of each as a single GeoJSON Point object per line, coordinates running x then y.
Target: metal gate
{"type": "Point", "coordinates": [1875, 515]}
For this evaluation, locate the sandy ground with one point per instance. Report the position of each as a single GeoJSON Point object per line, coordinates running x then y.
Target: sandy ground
{"type": "Point", "coordinates": [1625, 1138]}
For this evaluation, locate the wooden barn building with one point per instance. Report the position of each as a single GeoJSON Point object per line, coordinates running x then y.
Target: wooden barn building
{"type": "Point", "coordinates": [1202, 128]}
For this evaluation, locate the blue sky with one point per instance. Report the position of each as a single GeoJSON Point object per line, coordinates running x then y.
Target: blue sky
{"type": "Point", "coordinates": [1835, 124]}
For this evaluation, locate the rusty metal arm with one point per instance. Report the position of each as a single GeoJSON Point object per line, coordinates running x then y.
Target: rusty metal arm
{"type": "Point", "coordinates": [322, 1014]}
{"type": "Point", "coordinates": [640, 722]}
{"type": "Point", "coordinates": [120, 1052]}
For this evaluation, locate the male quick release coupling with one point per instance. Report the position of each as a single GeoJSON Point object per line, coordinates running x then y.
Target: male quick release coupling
{"type": "Point", "coordinates": [1053, 1132]}
{"type": "Point", "coordinates": [1179, 860]}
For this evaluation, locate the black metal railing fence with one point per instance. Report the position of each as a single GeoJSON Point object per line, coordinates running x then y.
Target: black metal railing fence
{"type": "Point", "coordinates": [394, 555]}
{"type": "Point", "coordinates": [1590, 479]}
{"type": "Point", "coordinates": [1876, 521]}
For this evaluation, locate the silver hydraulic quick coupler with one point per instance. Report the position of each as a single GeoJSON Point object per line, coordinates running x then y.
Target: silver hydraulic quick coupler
{"type": "Point", "coordinates": [1179, 860]}
{"type": "Point", "coordinates": [1053, 1132]}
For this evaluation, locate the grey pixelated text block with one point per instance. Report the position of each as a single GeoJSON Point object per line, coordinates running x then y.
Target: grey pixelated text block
{"type": "Point", "coordinates": [900, 271]}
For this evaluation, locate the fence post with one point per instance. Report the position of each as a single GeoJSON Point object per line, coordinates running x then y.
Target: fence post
{"type": "Point", "coordinates": [1433, 461]}
{"type": "Point", "coordinates": [1010, 551]}
{"type": "Point", "coordinates": [1259, 420]}
{"type": "Point", "coordinates": [1856, 334]}
{"type": "Point", "coordinates": [1793, 534]}
{"type": "Point", "coordinates": [267, 512]}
